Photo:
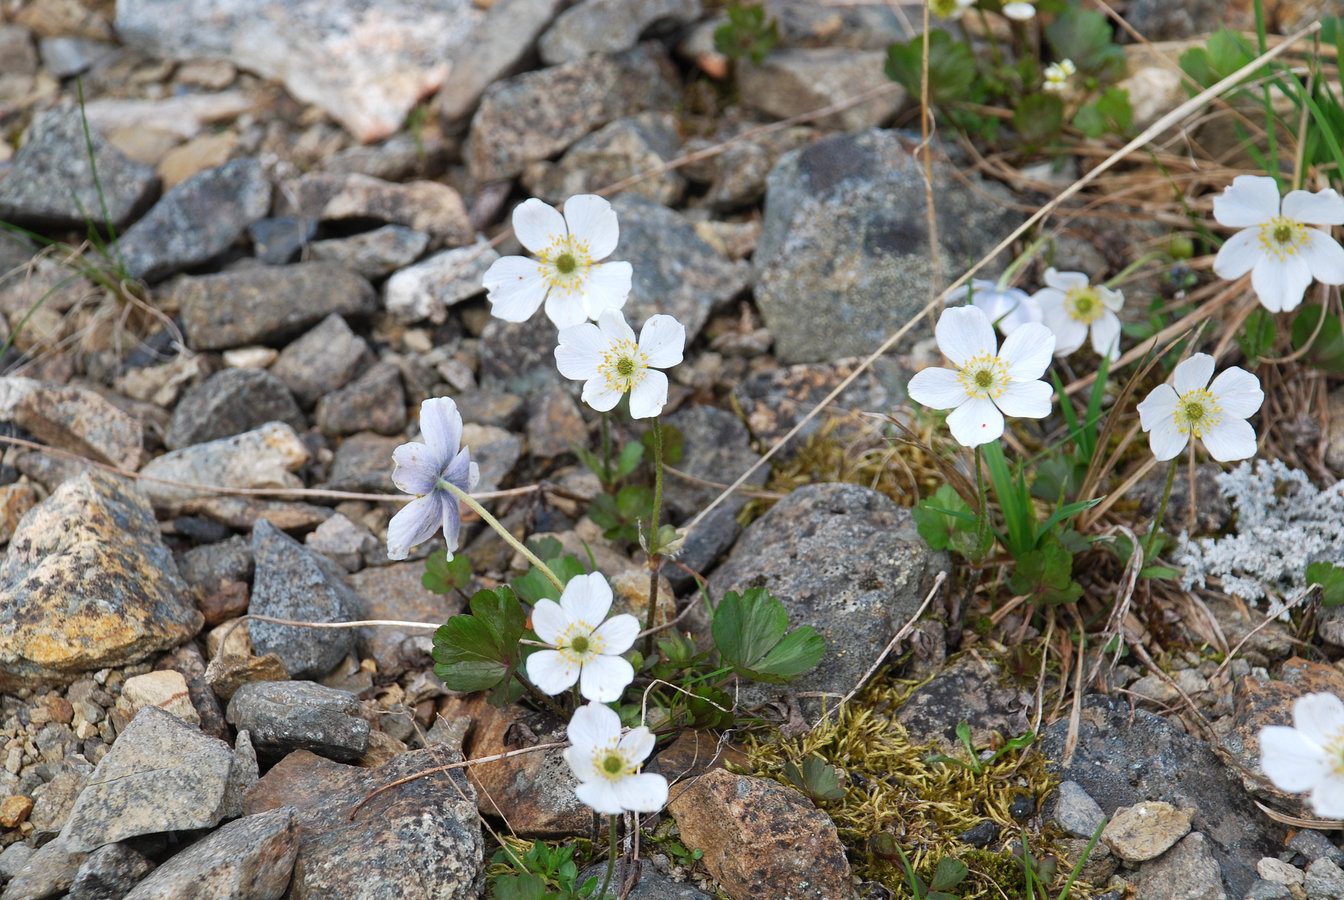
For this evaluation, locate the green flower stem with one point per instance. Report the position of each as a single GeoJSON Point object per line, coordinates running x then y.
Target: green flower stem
{"type": "Point", "coordinates": [993, 41]}
{"type": "Point", "coordinates": [1132, 268]}
{"type": "Point", "coordinates": [982, 514]}
{"type": "Point", "coordinates": [1161, 511]}
{"type": "Point", "coordinates": [611, 859]}
{"type": "Point", "coordinates": [503, 532]}
{"type": "Point", "coordinates": [655, 558]}
{"type": "Point", "coordinates": [1026, 256]}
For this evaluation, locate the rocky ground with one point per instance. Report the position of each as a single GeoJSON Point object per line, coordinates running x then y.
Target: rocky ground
{"type": "Point", "coordinates": [304, 201]}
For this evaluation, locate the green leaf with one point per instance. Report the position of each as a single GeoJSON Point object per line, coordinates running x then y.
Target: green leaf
{"type": "Point", "coordinates": [941, 516]}
{"type": "Point", "coordinates": [479, 650]}
{"type": "Point", "coordinates": [816, 779]}
{"type": "Point", "coordinates": [1089, 120]}
{"type": "Point", "coordinates": [443, 575]}
{"type": "Point", "coordinates": [673, 444]}
{"type": "Point", "coordinates": [1256, 337]}
{"type": "Point", "coordinates": [533, 585]}
{"type": "Point", "coordinates": [1326, 352]}
{"type": "Point", "coordinates": [951, 67]}
{"type": "Point", "coordinates": [1046, 573]}
{"type": "Point", "coordinates": [746, 33]}
{"type": "Point", "coordinates": [1085, 36]}
{"type": "Point", "coordinates": [629, 457]}
{"type": "Point", "coordinates": [749, 633]}
{"type": "Point", "coordinates": [1331, 579]}
{"type": "Point", "coordinates": [950, 873]}
{"type": "Point", "coordinates": [1039, 118]}
{"type": "Point", "coordinates": [520, 887]}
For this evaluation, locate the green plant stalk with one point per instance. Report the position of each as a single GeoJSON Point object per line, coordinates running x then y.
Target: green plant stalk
{"type": "Point", "coordinates": [1131, 268]}
{"type": "Point", "coordinates": [982, 514]}
{"type": "Point", "coordinates": [502, 531]}
{"type": "Point", "coordinates": [611, 859]}
{"type": "Point", "coordinates": [1025, 257]}
{"type": "Point", "coordinates": [1161, 511]}
{"type": "Point", "coordinates": [97, 182]}
{"type": "Point", "coordinates": [993, 41]}
{"type": "Point", "coordinates": [1082, 860]}
{"type": "Point", "coordinates": [655, 558]}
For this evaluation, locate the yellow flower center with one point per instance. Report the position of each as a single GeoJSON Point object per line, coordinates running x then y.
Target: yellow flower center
{"type": "Point", "coordinates": [1334, 751]}
{"type": "Point", "coordinates": [623, 365]}
{"type": "Point", "coordinates": [578, 644]}
{"type": "Point", "coordinates": [611, 763]}
{"type": "Point", "coordinates": [1083, 304]}
{"type": "Point", "coordinates": [565, 264]}
{"type": "Point", "coordinates": [1197, 412]}
{"type": "Point", "coordinates": [984, 376]}
{"type": "Point", "coordinates": [1281, 238]}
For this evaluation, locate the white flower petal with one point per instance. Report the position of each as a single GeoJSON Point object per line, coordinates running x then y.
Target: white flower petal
{"type": "Point", "coordinates": [1066, 281]}
{"type": "Point", "coordinates": [601, 795]}
{"type": "Point", "coordinates": [1159, 404]}
{"type": "Point", "coordinates": [537, 225]}
{"type": "Point", "coordinates": [1028, 351]}
{"type": "Point", "coordinates": [977, 421]}
{"type": "Point", "coordinates": [593, 727]}
{"type": "Point", "coordinates": [452, 522]}
{"type": "Point", "coordinates": [1321, 208]}
{"type": "Point", "coordinates": [1069, 332]}
{"type": "Point", "coordinates": [565, 309]}
{"type": "Point", "coordinates": [1026, 399]}
{"type": "Point", "coordinates": [605, 678]}
{"type": "Point", "coordinates": [964, 332]}
{"type": "Point", "coordinates": [587, 599]}
{"type": "Point", "coordinates": [1230, 440]}
{"type": "Point", "coordinates": [551, 672]}
{"type": "Point", "coordinates": [1019, 10]}
{"type": "Point", "coordinates": [1291, 760]}
{"type": "Point", "coordinates": [637, 743]}
{"type": "Point", "coordinates": [1248, 200]}
{"type": "Point", "coordinates": [413, 524]}
{"type": "Point", "coordinates": [592, 219]}
{"type": "Point", "coordinates": [646, 792]}
{"type": "Point", "coordinates": [618, 633]}
{"type": "Point", "coordinates": [1192, 374]}
{"type": "Point", "coordinates": [1166, 440]}
{"type": "Point", "coordinates": [1049, 301]}
{"type": "Point", "coordinates": [606, 287]}
{"type": "Point", "coordinates": [1280, 285]}
{"type": "Point", "coordinates": [580, 351]}
{"type": "Point", "coordinates": [441, 425]}
{"type": "Point", "coordinates": [1238, 392]}
{"type": "Point", "coordinates": [549, 620]}
{"type": "Point", "coordinates": [937, 388]}
{"type": "Point", "coordinates": [1106, 335]}
{"type": "Point", "coordinates": [601, 394]}
{"type": "Point", "coordinates": [663, 341]}
{"type": "Point", "coordinates": [648, 398]}
{"type": "Point", "coordinates": [614, 328]}
{"type": "Point", "coordinates": [1111, 299]}
{"type": "Point", "coordinates": [580, 761]}
{"type": "Point", "coordinates": [473, 476]}
{"type": "Point", "coordinates": [1327, 797]}
{"type": "Point", "coordinates": [1239, 254]}
{"type": "Point", "coordinates": [1319, 716]}
{"type": "Point", "coordinates": [415, 468]}
{"type": "Point", "coordinates": [1324, 258]}
{"type": "Point", "coordinates": [517, 287]}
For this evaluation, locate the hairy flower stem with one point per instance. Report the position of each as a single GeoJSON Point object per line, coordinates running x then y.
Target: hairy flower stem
{"type": "Point", "coordinates": [503, 532]}
{"type": "Point", "coordinates": [611, 859]}
{"type": "Point", "coordinates": [1161, 511]}
{"type": "Point", "coordinates": [655, 558]}
{"type": "Point", "coordinates": [982, 536]}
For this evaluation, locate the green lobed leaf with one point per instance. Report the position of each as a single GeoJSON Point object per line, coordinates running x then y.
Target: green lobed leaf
{"type": "Point", "coordinates": [443, 575]}
{"type": "Point", "coordinates": [520, 887]}
{"type": "Point", "coordinates": [1046, 573]}
{"type": "Point", "coordinates": [479, 650]}
{"type": "Point", "coordinates": [950, 873]}
{"type": "Point", "coordinates": [816, 778]}
{"type": "Point", "coordinates": [749, 633]}
{"type": "Point", "coordinates": [951, 67]}
{"type": "Point", "coordinates": [629, 457]}
{"type": "Point", "coordinates": [1038, 118]}
{"type": "Point", "coordinates": [941, 516]}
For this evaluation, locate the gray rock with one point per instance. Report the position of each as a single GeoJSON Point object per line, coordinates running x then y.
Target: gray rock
{"type": "Point", "coordinates": [554, 424]}
{"type": "Point", "coordinates": [110, 871]}
{"type": "Point", "coordinates": [18, 56]}
{"type": "Point", "coordinates": [519, 357]}
{"type": "Point", "coordinates": [292, 582]}
{"type": "Point", "coordinates": [1187, 871]}
{"type": "Point", "coordinates": [277, 241]}
{"type": "Point", "coordinates": [613, 153]}
{"type": "Point", "coordinates": [426, 206]}
{"type": "Point", "coordinates": [1127, 755]}
{"type": "Point", "coordinates": [775, 400]}
{"type": "Point", "coordinates": [538, 114]}
{"type": "Point", "coordinates": [323, 359]}
{"type": "Point", "coordinates": [363, 463]}
{"type": "Point", "coordinates": [259, 305]}
{"type": "Point", "coordinates": [299, 715]}
{"type": "Point", "coordinates": [716, 448]}
{"type": "Point", "coordinates": [345, 543]}
{"type": "Point", "coordinates": [197, 220]}
{"type": "Point", "coordinates": [67, 56]}
{"type": "Point", "coordinates": [365, 63]}
{"type": "Point", "coordinates": [495, 450]}
{"type": "Point", "coordinates": [230, 402]}
{"type": "Point", "coordinates": [426, 289]}
{"type": "Point", "coordinates": [49, 183]}
{"type": "Point", "coordinates": [969, 690]}
{"type": "Point", "coordinates": [54, 800]}
{"type": "Point", "coordinates": [88, 584]}
{"type": "Point", "coordinates": [867, 26]}
{"type": "Point", "coordinates": [791, 82]}
{"type": "Point", "coordinates": [251, 858]}
{"type": "Point", "coordinates": [160, 775]}
{"type": "Point", "coordinates": [1261, 889]}
{"type": "Point", "coordinates": [376, 253]}
{"type": "Point", "coordinates": [419, 840]}
{"type": "Point", "coordinates": [702, 548]}
{"type": "Point", "coordinates": [652, 884]}
{"type": "Point", "coordinates": [736, 176]}
{"type": "Point", "coordinates": [1325, 881]}
{"type": "Point", "coordinates": [610, 26]}
{"type": "Point", "coordinates": [807, 550]}
{"type": "Point", "coordinates": [502, 44]}
{"type": "Point", "coordinates": [73, 418]}
{"type": "Point", "coordinates": [13, 858]}
{"type": "Point", "coordinates": [375, 401]}
{"type": "Point", "coordinates": [1076, 813]}
{"type": "Point", "coordinates": [485, 407]}
{"type": "Point", "coordinates": [396, 593]}
{"type": "Point", "coordinates": [1314, 845]}
{"type": "Point", "coordinates": [48, 872]}
{"type": "Point", "coordinates": [1145, 830]}
{"type": "Point", "coordinates": [843, 259]}
{"type": "Point", "coordinates": [264, 457]}
{"type": "Point", "coordinates": [1158, 21]}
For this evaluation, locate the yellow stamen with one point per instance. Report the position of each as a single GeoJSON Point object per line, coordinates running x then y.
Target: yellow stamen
{"type": "Point", "coordinates": [623, 365]}
{"type": "Point", "coordinates": [984, 376]}
{"type": "Point", "coordinates": [1197, 412]}
{"type": "Point", "coordinates": [1281, 238]}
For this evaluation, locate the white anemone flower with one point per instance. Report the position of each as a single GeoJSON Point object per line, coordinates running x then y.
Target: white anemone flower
{"type": "Point", "coordinates": [1057, 75]}
{"type": "Point", "coordinates": [987, 382]}
{"type": "Point", "coordinates": [1309, 757]}
{"type": "Point", "coordinates": [587, 649]}
{"type": "Point", "coordinates": [1072, 307]}
{"type": "Point", "coordinates": [425, 470]}
{"type": "Point", "coordinates": [1007, 307]}
{"type": "Point", "coordinates": [567, 273]}
{"type": "Point", "coordinates": [1020, 10]}
{"type": "Point", "coordinates": [1277, 244]}
{"type": "Point", "coordinates": [610, 362]}
{"type": "Point", "coordinates": [607, 763]}
{"type": "Point", "coordinates": [1215, 413]}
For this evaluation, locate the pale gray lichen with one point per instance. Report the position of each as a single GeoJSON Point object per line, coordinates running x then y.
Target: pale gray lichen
{"type": "Point", "coordinates": [1283, 523]}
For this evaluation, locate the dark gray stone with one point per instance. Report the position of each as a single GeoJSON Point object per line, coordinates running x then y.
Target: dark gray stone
{"type": "Point", "coordinates": [49, 183]}
{"type": "Point", "coordinates": [716, 448]}
{"type": "Point", "coordinates": [1160, 21]}
{"type": "Point", "coordinates": [866, 26]}
{"type": "Point", "coordinates": [431, 207]}
{"type": "Point", "coordinates": [1125, 756]}
{"type": "Point", "coordinates": [108, 872]}
{"type": "Point", "coordinates": [610, 26]}
{"type": "Point", "coordinates": [841, 558]}
{"type": "Point", "coordinates": [376, 401]}
{"type": "Point", "coordinates": [230, 402]}
{"type": "Point", "coordinates": [1187, 871]}
{"type": "Point", "coordinates": [208, 565]}
{"type": "Point", "coordinates": [323, 359]}
{"type": "Point", "coordinates": [250, 858]}
{"type": "Point", "coordinates": [376, 253]}
{"type": "Point", "coordinates": [259, 305]}
{"type": "Point", "coordinates": [1314, 845]}
{"type": "Point", "coordinates": [396, 593]}
{"type": "Point", "coordinates": [66, 56]}
{"type": "Point", "coordinates": [1324, 881]}
{"type": "Point", "coordinates": [843, 259]}
{"type": "Point", "coordinates": [652, 884]}
{"type": "Point", "coordinates": [292, 582]}
{"type": "Point", "coordinates": [161, 775]}
{"type": "Point", "coordinates": [48, 872]}
{"type": "Point", "coordinates": [519, 357]}
{"type": "Point", "coordinates": [197, 220]}
{"type": "Point", "coordinates": [736, 176]}
{"type": "Point", "coordinates": [613, 153]}
{"type": "Point", "coordinates": [277, 241]}
{"type": "Point", "coordinates": [363, 463]}
{"type": "Point", "coordinates": [538, 114]}
{"type": "Point", "coordinates": [702, 548]}
{"type": "Point", "coordinates": [299, 715]}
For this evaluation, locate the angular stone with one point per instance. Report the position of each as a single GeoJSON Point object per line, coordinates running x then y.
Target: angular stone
{"type": "Point", "coordinates": [554, 425]}
{"type": "Point", "coordinates": [609, 26]}
{"type": "Point", "coordinates": [197, 220]}
{"type": "Point", "coordinates": [761, 838]}
{"type": "Point", "coordinates": [264, 457]}
{"type": "Point", "coordinates": [48, 872]}
{"type": "Point", "coordinates": [323, 359]}
{"type": "Point", "coordinates": [426, 289]}
{"type": "Point", "coordinates": [363, 463]}
{"type": "Point", "coordinates": [73, 418]}
{"type": "Point", "coordinates": [775, 400]}
{"type": "Point", "coordinates": [161, 775]}
{"type": "Point", "coordinates": [110, 871]}
{"type": "Point", "coordinates": [277, 241]}
{"type": "Point", "coordinates": [376, 401]}
{"type": "Point", "coordinates": [230, 402]}
{"type": "Point", "coordinates": [187, 662]}
{"type": "Point", "coordinates": [1146, 830]}
{"type": "Point", "coordinates": [264, 304]}
{"type": "Point", "coordinates": [736, 177]}
{"type": "Point", "coordinates": [966, 691]}
{"type": "Point", "coordinates": [716, 447]}
{"type": "Point", "coordinates": [790, 82]}
{"type": "Point", "coordinates": [495, 450]}
{"type": "Point", "coordinates": [167, 690]}
{"type": "Point", "coordinates": [376, 253]}
{"type": "Point", "coordinates": [15, 501]}
{"type": "Point", "coordinates": [396, 593]}
{"type": "Point", "coordinates": [49, 183]}
{"type": "Point", "coordinates": [282, 716]}
{"type": "Point", "coordinates": [535, 115]}
{"type": "Point", "coordinates": [292, 582]}
{"type": "Point", "coordinates": [613, 153]}
{"type": "Point", "coordinates": [1075, 812]}
{"type": "Point", "coordinates": [502, 44]}
{"type": "Point", "coordinates": [1187, 871]}
{"type": "Point", "coordinates": [1324, 880]}
{"type": "Point", "coordinates": [867, 26]}
{"type": "Point", "coordinates": [251, 858]}
{"type": "Point", "coordinates": [344, 542]}
{"type": "Point", "coordinates": [420, 840]}
{"type": "Point", "coordinates": [87, 584]}
{"type": "Point", "coordinates": [425, 206]}
{"type": "Point", "coordinates": [226, 672]}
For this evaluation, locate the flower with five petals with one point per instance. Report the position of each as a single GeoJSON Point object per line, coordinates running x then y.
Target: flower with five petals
{"type": "Point", "coordinates": [426, 470]}
{"type": "Point", "coordinates": [1215, 413]}
{"type": "Point", "coordinates": [607, 763]}
{"type": "Point", "coordinates": [1310, 755]}
{"type": "Point", "coordinates": [1072, 306]}
{"type": "Point", "coordinates": [610, 362]}
{"type": "Point", "coordinates": [586, 648]}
